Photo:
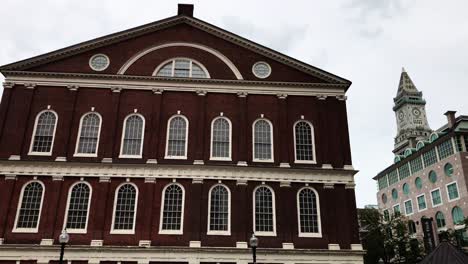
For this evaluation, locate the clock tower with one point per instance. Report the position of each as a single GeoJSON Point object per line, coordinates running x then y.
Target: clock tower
{"type": "Point", "coordinates": [410, 113]}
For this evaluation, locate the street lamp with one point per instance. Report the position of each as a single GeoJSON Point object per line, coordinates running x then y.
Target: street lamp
{"type": "Point", "coordinates": [63, 239]}
{"type": "Point", "coordinates": [253, 244]}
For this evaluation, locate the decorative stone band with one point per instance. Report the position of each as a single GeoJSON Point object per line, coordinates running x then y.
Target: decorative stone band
{"type": "Point", "coordinates": [105, 171]}
{"type": "Point", "coordinates": [118, 82]}
{"type": "Point", "coordinates": [185, 254]}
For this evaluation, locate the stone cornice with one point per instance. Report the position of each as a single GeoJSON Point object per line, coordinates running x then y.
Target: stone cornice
{"type": "Point", "coordinates": [168, 84]}
{"type": "Point", "coordinates": [75, 169]}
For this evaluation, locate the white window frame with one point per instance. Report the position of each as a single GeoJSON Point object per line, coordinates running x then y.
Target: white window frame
{"type": "Point", "coordinates": [271, 141]}
{"type": "Point", "coordinates": [217, 232]}
{"type": "Point", "coordinates": [262, 233]}
{"type": "Point", "coordinates": [425, 202]}
{"type": "Point", "coordinates": [229, 158]}
{"type": "Point", "coordinates": [163, 199]}
{"type": "Point", "coordinates": [126, 156]}
{"type": "Point", "coordinates": [124, 231]}
{"type": "Point", "coordinates": [77, 154]}
{"type": "Point", "coordinates": [166, 156]}
{"type": "Point", "coordinates": [319, 222]}
{"type": "Point", "coordinates": [155, 72]}
{"type": "Point", "coordinates": [432, 199]}
{"type": "Point", "coordinates": [393, 208]}
{"type": "Point", "coordinates": [412, 208]}
{"type": "Point", "coordinates": [35, 153]}
{"type": "Point", "coordinates": [314, 160]}
{"type": "Point", "coordinates": [447, 190]}
{"type": "Point", "coordinates": [71, 230]}
{"type": "Point", "coordinates": [20, 201]}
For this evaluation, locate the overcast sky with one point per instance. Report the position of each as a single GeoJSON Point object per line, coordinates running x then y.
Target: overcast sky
{"type": "Point", "coordinates": [365, 41]}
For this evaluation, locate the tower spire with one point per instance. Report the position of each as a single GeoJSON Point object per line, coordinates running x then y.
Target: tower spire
{"type": "Point", "coordinates": [406, 84]}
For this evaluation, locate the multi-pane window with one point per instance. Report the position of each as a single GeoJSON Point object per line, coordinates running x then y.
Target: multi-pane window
{"type": "Point", "coordinates": [78, 207]}
{"type": "Point", "coordinates": [386, 215]}
{"type": "Point", "coordinates": [30, 207]}
{"type": "Point", "coordinates": [89, 134]}
{"type": "Point", "coordinates": [309, 221]}
{"type": "Point", "coordinates": [418, 183]}
{"type": "Point", "coordinates": [436, 198]}
{"type": "Point", "coordinates": [183, 68]}
{"type": "Point", "coordinates": [452, 191]}
{"type": "Point", "coordinates": [457, 216]}
{"type": "Point", "coordinates": [421, 202]}
{"type": "Point", "coordinates": [125, 208]}
{"type": "Point", "coordinates": [396, 210]}
{"type": "Point", "coordinates": [445, 149]}
{"type": "Point", "coordinates": [383, 183]}
{"type": "Point", "coordinates": [264, 220]}
{"type": "Point", "coordinates": [458, 143]}
{"type": "Point", "coordinates": [177, 133]}
{"type": "Point", "coordinates": [132, 144]}
{"type": "Point", "coordinates": [263, 140]}
{"type": "Point", "coordinates": [465, 138]}
{"type": "Point", "coordinates": [430, 157]}
{"type": "Point", "coordinates": [408, 207]}
{"type": "Point", "coordinates": [44, 132]}
{"type": "Point", "coordinates": [304, 141]}
{"type": "Point", "coordinates": [416, 164]}
{"type": "Point", "coordinates": [404, 171]}
{"type": "Point", "coordinates": [440, 220]}
{"type": "Point", "coordinates": [392, 177]}
{"type": "Point", "coordinates": [219, 209]}
{"type": "Point", "coordinates": [173, 209]}
{"type": "Point", "coordinates": [221, 138]}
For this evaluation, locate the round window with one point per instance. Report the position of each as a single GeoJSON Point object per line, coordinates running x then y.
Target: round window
{"type": "Point", "coordinates": [99, 62]}
{"type": "Point", "coordinates": [394, 194]}
{"type": "Point", "coordinates": [432, 176]}
{"type": "Point", "coordinates": [261, 69]}
{"type": "Point", "coordinates": [448, 168]}
{"type": "Point", "coordinates": [418, 183]}
{"type": "Point", "coordinates": [406, 188]}
{"type": "Point", "coordinates": [384, 198]}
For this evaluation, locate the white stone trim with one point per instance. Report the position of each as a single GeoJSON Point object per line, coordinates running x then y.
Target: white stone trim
{"type": "Point", "coordinates": [210, 50]}
{"type": "Point", "coordinates": [333, 246]}
{"type": "Point", "coordinates": [229, 158]}
{"type": "Point", "coordinates": [425, 202]}
{"type": "Point", "coordinates": [356, 247]}
{"type": "Point", "coordinates": [412, 208]}
{"type": "Point", "coordinates": [217, 232]}
{"type": "Point", "coordinates": [447, 190]}
{"type": "Point", "coordinates": [261, 62]}
{"type": "Point", "coordinates": [124, 231]}
{"type": "Point", "coordinates": [144, 243]}
{"type": "Point", "coordinates": [273, 204]}
{"type": "Point", "coordinates": [208, 172]}
{"type": "Point", "coordinates": [167, 156]}
{"type": "Point", "coordinates": [319, 221]}
{"type": "Point", "coordinates": [432, 199]}
{"type": "Point", "coordinates": [96, 243]}
{"type": "Point", "coordinates": [121, 155]}
{"type": "Point", "coordinates": [195, 244]}
{"type": "Point", "coordinates": [14, 157]}
{"type": "Point", "coordinates": [94, 56]}
{"type": "Point", "coordinates": [31, 144]}
{"type": "Point", "coordinates": [163, 200]}
{"type": "Point", "coordinates": [28, 230]}
{"type": "Point", "coordinates": [77, 231]}
{"type": "Point", "coordinates": [46, 242]}
{"type": "Point", "coordinates": [77, 154]}
{"type": "Point", "coordinates": [288, 245]}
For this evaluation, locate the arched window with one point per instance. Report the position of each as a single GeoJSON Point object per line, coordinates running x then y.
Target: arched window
{"type": "Point", "coordinates": [132, 136]}
{"type": "Point", "coordinates": [76, 216]}
{"type": "Point", "coordinates": [411, 227]}
{"type": "Point", "coordinates": [88, 135]}
{"type": "Point", "coordinates": [263, 140]}
{"type": "Point", "coordinates": [125, 206]}
{"type": "Point", "coordinates": [221, 139]}
{"type": "Point", "coordinates": [457, 216]}
{"type": "Point", "coordinates": [304, 142]}
{"type": "Point", "coordinates": [308, 213]}
{"type": "Point", "coordinates": [264, 211]}
{"type": "Point", "coordinates": [29, 209]}
{"type": "Point", "coordinates": [44, 133]}
{"type": "Point", "coordinates": [219, 222]}
{"type": "Point", "coordinates": [177, 135]}
{"type": "Point", "coordinates": [440, 220]}
{"type": "Point", "coordinates": [181, 67]}
{"type": "Point", "coordinates": [172, 211]}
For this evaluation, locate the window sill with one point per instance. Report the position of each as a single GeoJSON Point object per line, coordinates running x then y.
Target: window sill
{"type": "Point", "coordinates": [305, 162]}
{"type": "Point", "coordinates": [176, 157]}
{"type": "Point", "coordinates": [265, 233]}
{"type": "Point", "coordinates": [82, 155]}
{"type": "Point", "coordinates": [218, 233]}
{"type": "Point", "coordinates": [263, 161]}
{"type": "Point", "coordinates": [171, 232]}
{"type": "Point", "coordinates": [122, 232]}
{"type": "Point", "coordinates": [77, 231]}
{"type": "Point", "coordinates": [24, 230]}
{"type": "Point", "coordinates": [316, 235]}
{"type": "Point", "coordinates": [421, 210]}
{"type": "Point", "coordinates": [220, 159]}
{"type": "Point", "coordinates": [451, 200]}
{"type": "Point", "coordinates": [130, 156]}
{"type": "Point", "coordinates": [40, 153]}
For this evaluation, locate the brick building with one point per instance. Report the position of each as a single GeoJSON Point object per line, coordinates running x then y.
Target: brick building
{"type": "Point", "coordinates": [173, 142]}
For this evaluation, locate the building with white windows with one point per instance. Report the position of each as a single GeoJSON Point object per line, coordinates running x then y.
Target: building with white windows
{"type": "Point", "coordinates": [429, 177]}
{"type": "Point", "coordinates": [174, 142]}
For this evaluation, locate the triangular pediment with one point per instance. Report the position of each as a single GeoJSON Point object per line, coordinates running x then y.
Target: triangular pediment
{"type": "Point", "coordinates": [291, 68]}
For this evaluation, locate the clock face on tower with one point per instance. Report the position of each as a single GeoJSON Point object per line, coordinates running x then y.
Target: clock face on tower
{"type": "Point", "coordinates": [401, 115]}
{"type": "Point", "coordinates": [416, 112]}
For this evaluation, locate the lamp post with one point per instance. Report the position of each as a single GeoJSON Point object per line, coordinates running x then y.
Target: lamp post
{"type": "Point", "coordinates": [63, 239]}
{"type": "Point", "coordinates": [253, 244]}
